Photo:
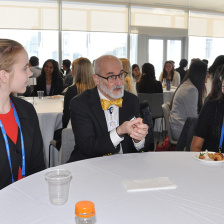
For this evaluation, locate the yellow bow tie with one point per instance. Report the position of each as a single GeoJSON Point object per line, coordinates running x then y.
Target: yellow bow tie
{"type": "Point", "coordinates": [106, 103]}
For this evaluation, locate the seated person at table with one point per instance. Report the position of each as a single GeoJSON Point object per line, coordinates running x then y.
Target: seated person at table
{"type": "Point", "coordinates": [68, 75]}
{"type": "Point", "coordinates": [181, 70]}
{"type": "Point", "coordinates": [188, 98]}
{"type": "Point", "coordinates": [169, 73]}
{"type": "Point", "coordinates": [136, 72]}
{"type": "Point", "coordinates": [101, 117]}
{"type": "Point", "coordinates": [50, 80]}
{"type": "Point", "coordinates": [210, 120]}
{"type": "Point", "coordinates": [129, 82]}
{"type": "Point", "coordinates": [21, 145]}
{"type": "Point", "coordinates": [82, 71]}
{"type": "Point", "coordinates": [148, 82]}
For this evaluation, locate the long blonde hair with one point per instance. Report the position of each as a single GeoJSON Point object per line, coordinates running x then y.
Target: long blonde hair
{"type": "Point", "coordinates": [129, 84]}
{"type": "Point", "coordinates": [82, 71]}
{"type": "Point", "coordinates": [9, 52]}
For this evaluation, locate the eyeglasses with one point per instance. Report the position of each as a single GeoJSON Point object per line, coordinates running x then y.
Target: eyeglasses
{"type": "Point", "coordinates": [112, 78]}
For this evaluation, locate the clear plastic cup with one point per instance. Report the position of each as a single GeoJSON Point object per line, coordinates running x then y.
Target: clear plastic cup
{"type": "Point", "coordinates": [40, 94]}
{"type": "Point", "coordinates": [58, 185]}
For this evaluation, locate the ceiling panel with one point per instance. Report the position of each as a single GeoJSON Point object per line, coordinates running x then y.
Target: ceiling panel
{"type": "Point", "coordinates": [207, 5]}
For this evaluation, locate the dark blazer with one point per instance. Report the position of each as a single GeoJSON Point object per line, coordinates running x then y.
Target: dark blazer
{"type": "Point", "coordinates": [34, 159]}
{"type": "Point", "coordinates": [90, 127]}
{"type": "Point", "coordinates": [70, 93]}
{"type": "Point", "coordinates": [57, 85]}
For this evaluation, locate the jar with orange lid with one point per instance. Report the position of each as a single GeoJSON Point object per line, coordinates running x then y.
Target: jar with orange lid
{"type": "Point", "coordinates": [85, 212]}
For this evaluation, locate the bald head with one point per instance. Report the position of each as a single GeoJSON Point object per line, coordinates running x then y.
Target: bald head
{"type": "Point", "coordinates": [104, 62]}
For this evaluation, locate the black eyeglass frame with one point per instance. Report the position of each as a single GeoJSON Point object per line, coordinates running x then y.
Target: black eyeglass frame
{"type": "Point", "coordinates": [116, 76]}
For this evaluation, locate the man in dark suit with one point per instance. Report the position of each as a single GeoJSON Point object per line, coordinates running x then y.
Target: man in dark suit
{"type": "Point", "coordinates": [100, 126]}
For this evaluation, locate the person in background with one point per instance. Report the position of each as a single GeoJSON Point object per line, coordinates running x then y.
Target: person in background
{"type": "Point", "coordinates": [215, 86]}
{"type": "Point", "coordinates": [218, 61]}
{"type": "Point", "coordinates": [22, 149]}
{"type": "Point", "coordinates": [169, 73]}
{"type": "Point", "coordinates": [136, 72]}
{"type": "Point", "coordinates": [210, 121]}
{"type": "Point", "coordinates": [102, 117]}
{"type": "Point", "coordinates": [34, 66]}
{"type": "Point", "coordinates": [181, 69]}
{"type": "Point", "coordinates": [188, 98]}
{"type": "Point", "coordinates": [50, 80]}
{"type": "Point", "coordinates": [173, 63]}
{"type": "Point", "coordinates": [82, 71]}
{"type": "Point", "coordinates": [130, 84]}
{"type": "Point", "coordinates": [68, 75]}
{"type": "Point", "coordinates": [148, 82]}
{"type": "Point", "coordinates": [205, 61]}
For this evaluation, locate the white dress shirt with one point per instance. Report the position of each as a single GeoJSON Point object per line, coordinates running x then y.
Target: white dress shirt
{"type": "Point", "coordinates": [115, 138]}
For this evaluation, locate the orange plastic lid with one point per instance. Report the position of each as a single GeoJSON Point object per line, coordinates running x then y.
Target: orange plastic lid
{"type": "Point", "coordinates": [84, 209]}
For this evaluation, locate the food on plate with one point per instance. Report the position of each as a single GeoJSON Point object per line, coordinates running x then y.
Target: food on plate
{"type": "Point", "coordinates": [211, 156]}
{"type": "Point", "coordinates": [217, 156]}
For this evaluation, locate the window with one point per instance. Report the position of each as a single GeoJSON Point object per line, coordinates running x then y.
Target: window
{"type": "Point", "coordinates": [93, 44]}
{"type": "Point", "coordinates": [205, 48]}
{"type": "Point", "coordinates": [40, 43]}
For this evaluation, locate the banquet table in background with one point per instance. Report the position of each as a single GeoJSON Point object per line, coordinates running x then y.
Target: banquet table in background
{"type": "Point", "coordinates": [168, 94]}
{"type": "Point", "coordinates": [49, 111]}
{"type": "Point", "coordinates": [198, 197]}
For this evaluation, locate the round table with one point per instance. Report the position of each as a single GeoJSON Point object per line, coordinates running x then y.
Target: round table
{"type": "Point", "coordinates": [49, 111]}
{"type": "Point", "coordinates": [197, 199]}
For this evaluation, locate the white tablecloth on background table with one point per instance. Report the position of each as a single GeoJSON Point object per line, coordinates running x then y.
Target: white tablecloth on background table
{"type": "Point", "coordinates": [167, 97]}
{"type": "Point", "coordinates": [49, 112]}
{"type": "Point", "coordinates": [198, 197]}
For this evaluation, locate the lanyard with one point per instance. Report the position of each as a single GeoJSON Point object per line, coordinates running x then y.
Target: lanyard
{"type": "Point", "coordinates": [7, 143]}
{"type": "Point", "coordinates": [221, 138]}
{"type": "Point", "coordinates": [111, 109]}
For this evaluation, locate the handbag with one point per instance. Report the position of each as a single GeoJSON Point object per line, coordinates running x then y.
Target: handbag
{"type": "Point", "coordinates": [166, 146]}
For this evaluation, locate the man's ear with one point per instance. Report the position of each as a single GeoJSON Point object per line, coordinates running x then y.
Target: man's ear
{"type": "Point", "coordinates": [96, 79]}
{"type": "Point", "coordinates": [4, 76]}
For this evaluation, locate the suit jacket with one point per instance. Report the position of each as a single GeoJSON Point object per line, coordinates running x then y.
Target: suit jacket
{"type": "Point", "coordinates": [90, 127]}
{"type": "Point", "coordinates": [34, 159]}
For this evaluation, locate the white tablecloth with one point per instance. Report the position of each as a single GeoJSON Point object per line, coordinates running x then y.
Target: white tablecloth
{"type": "Point", "coordinates": [198, 197]}
{"type": "Point", "coordinates": [168, 95]}
{"type": "Point", "coordinates": [49, 112]}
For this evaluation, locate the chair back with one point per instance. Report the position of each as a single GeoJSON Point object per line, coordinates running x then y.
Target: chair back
{"type": "Point", "coordinates": [155, 101]}
{"type": "Point", "coordinates": [186, 135]}
{"type": "Point", "coordinates": [166, 112]}
{"type": "Point", "coordinates": [67, 145]}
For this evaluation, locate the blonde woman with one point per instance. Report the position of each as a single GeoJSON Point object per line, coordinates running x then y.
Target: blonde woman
{"type": "Point", "coordinates": [82, 71]}
{"type": "Point", "coordinates": [130, 84]}
{"type": "Point", "coordinates": [22, 149]}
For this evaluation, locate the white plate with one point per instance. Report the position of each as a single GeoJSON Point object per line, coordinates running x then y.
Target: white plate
{"type": "Point", "coordinates": [21, 97]}
{"type": "Point", "coordinates": [55, 97]}
{"type": "Point", "coordinates": [196, 156]}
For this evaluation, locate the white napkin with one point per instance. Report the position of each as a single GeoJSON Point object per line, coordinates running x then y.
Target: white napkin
{"type": "Point", "coordinates": [160, 183]}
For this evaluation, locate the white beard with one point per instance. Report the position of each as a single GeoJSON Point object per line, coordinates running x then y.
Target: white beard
{"type": "Point", "coordinates": [110, 93]}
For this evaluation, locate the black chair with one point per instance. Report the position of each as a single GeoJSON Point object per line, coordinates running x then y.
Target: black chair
{"type": "Point", "coordinates": [155, 101]}
{"type": "Point", "coordinates": [186, 135]}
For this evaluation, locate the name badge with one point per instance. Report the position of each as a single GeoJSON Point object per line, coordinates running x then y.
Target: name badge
{"type": "Point", "coordinates": [111, 125]}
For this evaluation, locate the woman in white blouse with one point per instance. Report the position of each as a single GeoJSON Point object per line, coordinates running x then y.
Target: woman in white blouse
{"type": "Point", "coordinates": [169, 73]}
